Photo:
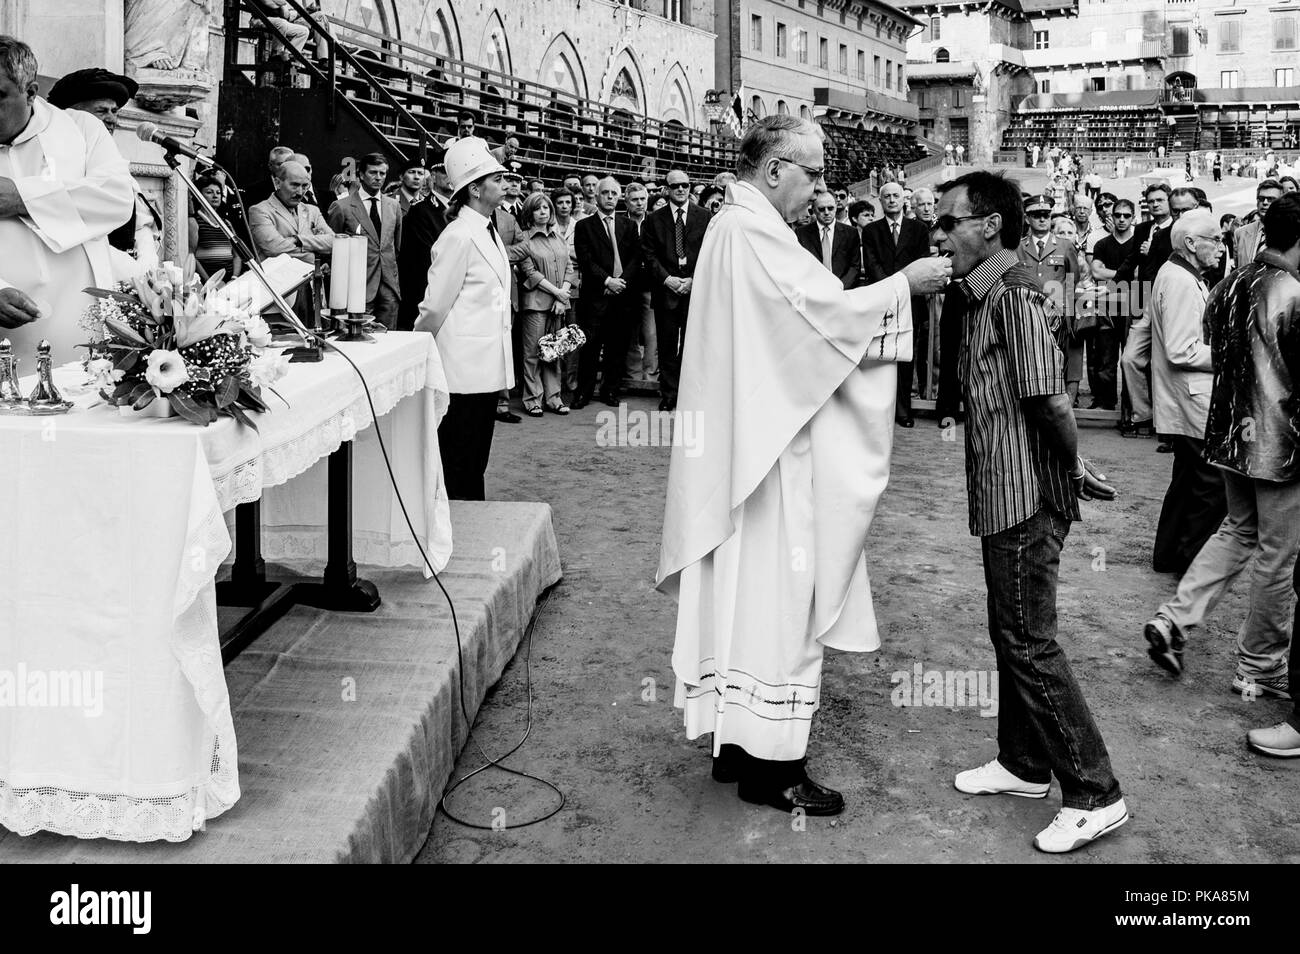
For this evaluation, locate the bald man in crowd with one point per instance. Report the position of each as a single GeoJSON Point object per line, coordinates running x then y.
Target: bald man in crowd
{"type": "Point", "coordinates": [609, 259]}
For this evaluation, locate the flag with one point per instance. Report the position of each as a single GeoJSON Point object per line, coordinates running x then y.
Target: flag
{"type": "Point", "coordinates": [735, 116]}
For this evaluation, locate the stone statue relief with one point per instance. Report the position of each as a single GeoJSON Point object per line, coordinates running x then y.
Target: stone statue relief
{"type": "Point", "coordinates": [167, 34]}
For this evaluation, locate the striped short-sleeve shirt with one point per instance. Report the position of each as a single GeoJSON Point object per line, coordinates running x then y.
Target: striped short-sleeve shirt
{"type": "Point", "coordinates": [1012, 348]}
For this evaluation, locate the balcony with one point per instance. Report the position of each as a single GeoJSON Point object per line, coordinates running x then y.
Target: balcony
{"type": "Point", "coordinates": [865, 103]}
{"type": "Point", "coordinates": [1078, 56]}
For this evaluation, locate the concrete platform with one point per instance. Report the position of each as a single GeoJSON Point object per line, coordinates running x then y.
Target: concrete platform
{"type": "Point", "coordinates": [349, 726]}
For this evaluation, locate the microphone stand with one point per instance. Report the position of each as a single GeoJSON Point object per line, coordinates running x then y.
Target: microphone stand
{"type": "Point", "coordinates": [310, 351]}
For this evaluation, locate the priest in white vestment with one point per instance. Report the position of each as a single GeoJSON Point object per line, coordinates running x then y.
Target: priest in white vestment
{"type": "Point", "coordinates": [63, 187]}
{"type": "Point", "coordinates": [788, 384]}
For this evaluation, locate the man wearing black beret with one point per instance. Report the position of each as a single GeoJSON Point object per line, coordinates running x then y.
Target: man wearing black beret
{"type": "Point", "coordinates": [95, 91]}
{"type": "Point", "coordinates": [101, 93]}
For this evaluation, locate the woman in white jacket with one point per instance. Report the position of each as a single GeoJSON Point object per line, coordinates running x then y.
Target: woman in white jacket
{"type": "Point", "coordinates": [467, 309]}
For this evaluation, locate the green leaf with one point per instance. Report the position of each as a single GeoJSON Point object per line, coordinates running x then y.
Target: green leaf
{"type": "Point", "coordinates": [123, 389]}
{"type": "Point", "coordinates": [238, 414]}
{"type": "Point", "coordinates": [144, 400]}
{"type": "Point", "coordinates": [127, 361]}
{"type": "Point", "coordinates": [115, 296]}
{"type": "Point", "coordinates": [188, 408]}
{"type": "Point", "coordinates": [122, 331]}
{"type": "Point", "coordinates": [227, 392]}
{"type": "Point", "coordinates": [252, 398]}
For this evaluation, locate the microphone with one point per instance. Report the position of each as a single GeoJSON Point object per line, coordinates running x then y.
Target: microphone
{"type": "Point", "coordinates": [149, 132]}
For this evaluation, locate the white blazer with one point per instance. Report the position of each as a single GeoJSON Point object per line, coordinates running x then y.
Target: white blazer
{"type": "Point", "coordinates": [467, 306]}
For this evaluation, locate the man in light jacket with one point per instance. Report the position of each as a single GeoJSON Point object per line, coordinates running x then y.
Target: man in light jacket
{"type": "Point", "coordinates": [1181, 379]}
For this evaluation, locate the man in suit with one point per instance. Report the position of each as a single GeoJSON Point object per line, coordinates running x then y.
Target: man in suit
{"type": "Point", "coordinates": [420, 229]}
{"type": "Point", "coordinates": [892, 243]}
{"type": "Point", "coordinates": [379, 217]}
{"type": "Point", "coordinates": [609, 259]}
{"type": "Point", "coordinates": [671, 241]}
{"type": "Point", "coordinates": [1182, 376]}
{"type": "Point", "coordinates": [1246, 241]}
{"type": "Point", "coordinates": [286, 224]}
{"type": "Point", "coordinates": [835, 244]}
{"type": "Point", "coordinates": [411, 186]}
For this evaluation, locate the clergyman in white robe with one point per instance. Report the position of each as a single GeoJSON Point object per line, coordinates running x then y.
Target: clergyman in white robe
{"type": "Point", "coordinates": [77, 189]}
{"type": "Point", "coordinates": [791, 382]}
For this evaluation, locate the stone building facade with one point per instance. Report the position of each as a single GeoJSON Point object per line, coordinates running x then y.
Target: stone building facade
{"type": "Point", "coordinates": [806, 57]}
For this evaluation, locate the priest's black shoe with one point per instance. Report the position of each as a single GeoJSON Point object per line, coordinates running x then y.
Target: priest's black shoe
{"type": "Point", "coordinates": [905, 421]}
{"type": "Point", "coordinates": [807, 795]}
{"type": "Point", "coordinates": [730, 765]}
{"type": "Point", "coordinates": [579, 403]}
{"type": "Point", "coordinates": [610, 399]}
{"type": "Point", "coordinates": [508, 417]}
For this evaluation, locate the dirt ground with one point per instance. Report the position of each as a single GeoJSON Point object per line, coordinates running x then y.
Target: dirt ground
{"type": "Point", "coordinates": [637, 790]}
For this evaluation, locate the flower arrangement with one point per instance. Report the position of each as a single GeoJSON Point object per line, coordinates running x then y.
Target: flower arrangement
{"type": "Point", "coordinates": [165, 335]}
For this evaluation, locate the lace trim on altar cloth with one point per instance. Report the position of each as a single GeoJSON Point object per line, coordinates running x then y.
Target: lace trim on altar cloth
{"type": "Point", "coordinates": [118, 817]}
{"type": "Point", "coordinates": [282, 463]}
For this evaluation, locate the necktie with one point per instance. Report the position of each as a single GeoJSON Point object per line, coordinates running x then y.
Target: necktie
{"type": "Point", "coordinates": [492, 231]}
{"type": "Point", "coordinates": [613, 241]}
{"type": "Point", "coordinates": [679, 237]}
{"type": "Point", "coordinates": [826, 246]}
{"type": "Point", "coordinates": [374, 214]}
{"type": "Point", "coordinates": [893, 227]}
{"type": "Point", "coordinates": [1041, 243]}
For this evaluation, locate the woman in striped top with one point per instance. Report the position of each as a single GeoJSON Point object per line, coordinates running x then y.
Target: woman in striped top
{"type": "Point", "coordinates": [211, 249]}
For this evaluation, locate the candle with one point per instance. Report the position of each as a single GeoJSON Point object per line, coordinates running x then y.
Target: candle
{"type": "Point", "coordinates": [339, 273]}
{"type": "Point", "coordinates": [358, 254]}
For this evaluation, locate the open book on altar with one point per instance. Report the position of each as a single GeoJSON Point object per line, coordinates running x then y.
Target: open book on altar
{"type": "Point", "coordinates": [249, 294]}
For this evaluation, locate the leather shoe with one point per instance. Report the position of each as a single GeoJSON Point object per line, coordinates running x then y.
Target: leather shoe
{"type": "Point", "coordinates": [666, 405]}
{"type": "Point", "coordinates": [811, 798]}
{"type": "Point", "coordinates": [609, 399]}
{"type": "Point", "coordinates": [508, 417]}
{"type": "Point", "coordinates": [579, 403]}
{"type": "Point", "coordinates": [905, 421]}
{"type": "Point", "coordinates": [729, 766]}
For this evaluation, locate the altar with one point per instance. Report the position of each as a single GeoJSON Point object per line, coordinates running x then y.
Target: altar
{"type": "Point", "coordinates": [111, 556]}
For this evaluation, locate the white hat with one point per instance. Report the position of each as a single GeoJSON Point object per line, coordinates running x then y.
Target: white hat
{"type": "Point", "coordinates": [469, 159]}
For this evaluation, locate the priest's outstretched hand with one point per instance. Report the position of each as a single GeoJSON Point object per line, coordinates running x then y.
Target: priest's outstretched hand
{"type": "Point", "coordinates": [928, 275]}
{"type": "Point", "coordinates": [16, 309]}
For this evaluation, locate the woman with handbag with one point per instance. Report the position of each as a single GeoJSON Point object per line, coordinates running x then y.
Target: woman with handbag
{"type": "Point", "coordinates": [467, 309]}
{"type": "Point", "coordinates": [546, 275]}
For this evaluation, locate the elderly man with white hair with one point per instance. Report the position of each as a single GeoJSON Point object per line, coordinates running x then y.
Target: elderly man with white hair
{"type": "Point", "coordinates": [1182, 376]}
{"type": "Point", "coordinates": [787, 389]}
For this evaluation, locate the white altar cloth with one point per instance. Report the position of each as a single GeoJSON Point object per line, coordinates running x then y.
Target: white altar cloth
{"type": "Point", "coordinates": [114, 716]}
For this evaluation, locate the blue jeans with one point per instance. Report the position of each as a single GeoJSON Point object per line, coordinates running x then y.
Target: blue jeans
{"type": "Point", "coordinates": [1044, 725]}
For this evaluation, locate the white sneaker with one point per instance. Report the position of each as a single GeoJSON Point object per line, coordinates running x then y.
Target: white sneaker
{"type": "Point", "coordinates": [993, 779]}
{"type": "Point", "coordinates": [1073, 827]}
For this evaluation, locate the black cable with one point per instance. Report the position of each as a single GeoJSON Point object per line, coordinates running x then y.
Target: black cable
{"type": "Point", "coordinates": [460, 651]}
{"type": "Point", "coordinates": [491, 762]}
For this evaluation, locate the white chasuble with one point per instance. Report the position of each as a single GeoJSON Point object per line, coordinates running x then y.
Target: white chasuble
{"type": "Point", "coordinates": [77, 189]}
{"type": "Point", "coordinates": [787, 389]}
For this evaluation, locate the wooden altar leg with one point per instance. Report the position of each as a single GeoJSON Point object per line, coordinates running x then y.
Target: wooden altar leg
{"type": "Point", "coordinates": [247, 585]}
{"type": "Point", "coordinates": [340, 588]}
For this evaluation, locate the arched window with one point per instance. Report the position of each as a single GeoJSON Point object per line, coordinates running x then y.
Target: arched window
{"type": "Point", "coordinates": [756, 105]}
{"type": "Point", "coordinates": [781, 108]}
{"type": "Point", "coordinates": [941, 55]}
{"type": "Point", "coordinates": [805, 113]}
{"type": "Point", "coordinates": [623, 93]}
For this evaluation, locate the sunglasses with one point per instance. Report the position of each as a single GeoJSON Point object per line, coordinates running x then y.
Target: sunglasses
{"type": "Point", "coordinates": [679, 185]}
{"type": "Point", "coordinates": [1122, 215]}
{"type": "Point", "coordinates": [947, 223]}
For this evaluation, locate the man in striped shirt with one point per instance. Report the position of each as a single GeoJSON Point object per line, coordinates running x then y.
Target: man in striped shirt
{"type": "Point", "coordinates": [1024, 478]}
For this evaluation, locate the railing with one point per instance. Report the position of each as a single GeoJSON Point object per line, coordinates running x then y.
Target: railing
{"type": "Point", "coordinates": [435, 87]}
